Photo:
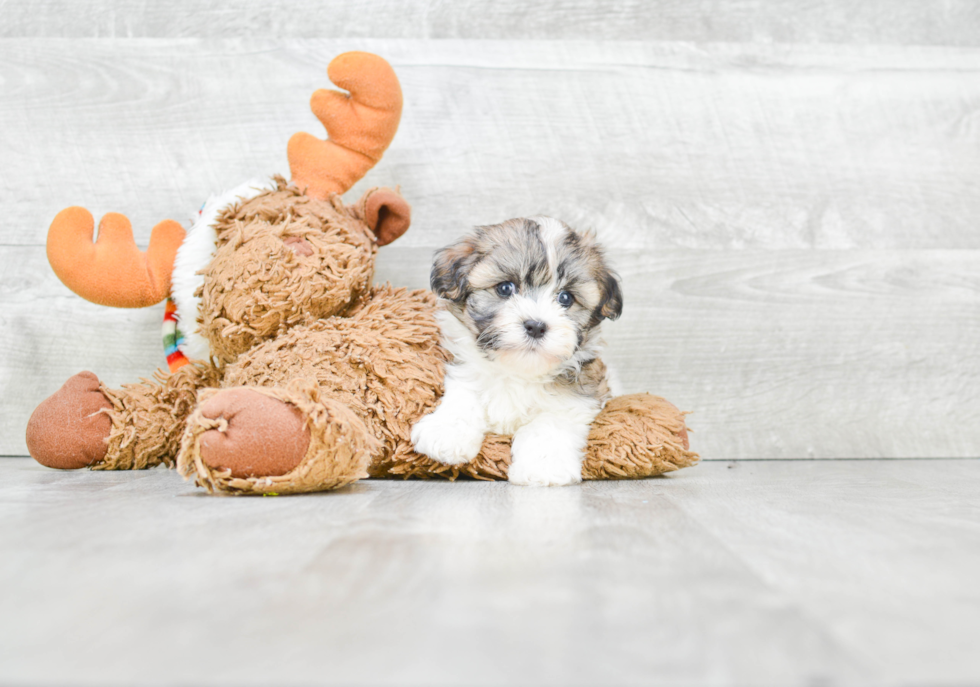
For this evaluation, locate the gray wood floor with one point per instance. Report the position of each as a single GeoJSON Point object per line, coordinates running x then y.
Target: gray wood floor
{"type": "Point", "coordinates": [765, 572]}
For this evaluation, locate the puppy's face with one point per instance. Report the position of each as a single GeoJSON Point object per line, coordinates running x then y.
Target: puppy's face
{"type": "Point", "coordinates": [531, 291]}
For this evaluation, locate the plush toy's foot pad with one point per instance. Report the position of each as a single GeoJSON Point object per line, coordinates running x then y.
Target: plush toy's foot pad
{"type": "Point", "coordinates": [253, 440]}
{"type": "Point", "coordinates": [254, 435]}
{"type": "Point", "coordinates": [69, 430]}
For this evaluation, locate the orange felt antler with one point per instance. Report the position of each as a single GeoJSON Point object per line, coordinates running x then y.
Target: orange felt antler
{"type": "Point", "coordinates": [112, 271]}
{"type": "Point", "coordinates": [360, 125]}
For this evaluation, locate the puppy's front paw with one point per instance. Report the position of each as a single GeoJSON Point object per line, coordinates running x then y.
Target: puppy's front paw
{"type": "Point", "coordinates": [544, 460]}
{"type": "Point", "coordinates": [446, 440]}
{"type": "Point", "coordinates": [545, 473]}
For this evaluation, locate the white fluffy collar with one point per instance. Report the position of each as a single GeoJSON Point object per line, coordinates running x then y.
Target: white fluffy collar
{"type": "Point", "coordinates": [194, 255]}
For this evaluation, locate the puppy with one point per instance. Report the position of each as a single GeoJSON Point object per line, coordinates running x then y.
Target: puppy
{"type": "Point", "coordinates": [522, 303]}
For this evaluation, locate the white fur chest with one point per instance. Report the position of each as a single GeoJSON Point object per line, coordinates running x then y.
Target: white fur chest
{"type": "Point", "coordinates": [506, 400]}
{"type": "Point", "coordinates": [510, 403]}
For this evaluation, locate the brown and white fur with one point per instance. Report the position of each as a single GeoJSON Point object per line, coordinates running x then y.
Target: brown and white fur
{"type": "Point", "coordinates": [522, 304]}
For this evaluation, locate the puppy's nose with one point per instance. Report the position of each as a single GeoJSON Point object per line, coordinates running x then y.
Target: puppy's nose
{"type": "Point", "coordinates": [535, 329]}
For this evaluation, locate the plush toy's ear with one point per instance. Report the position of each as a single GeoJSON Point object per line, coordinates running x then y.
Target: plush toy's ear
{"type": "Point", "coordinates": [386, 213]}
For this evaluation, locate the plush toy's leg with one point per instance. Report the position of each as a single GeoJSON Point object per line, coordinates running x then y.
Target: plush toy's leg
{"type": "Point", "coordinates": [256, 440]}
{"type": "Point", "coordinates": [86, 424]}
{"type": "Point", "coordinates": [70, 428]}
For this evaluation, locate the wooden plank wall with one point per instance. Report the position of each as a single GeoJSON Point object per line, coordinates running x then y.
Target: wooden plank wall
{"type": "Point", "coordinates": [790, 190]}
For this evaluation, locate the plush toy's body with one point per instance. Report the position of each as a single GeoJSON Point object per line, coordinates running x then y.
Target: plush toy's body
{"type": "Point", "coordinates": [304, 375]}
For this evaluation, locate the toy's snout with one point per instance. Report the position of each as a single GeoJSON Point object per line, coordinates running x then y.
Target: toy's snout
{"type": "Point", "coordinates": [299, 246]}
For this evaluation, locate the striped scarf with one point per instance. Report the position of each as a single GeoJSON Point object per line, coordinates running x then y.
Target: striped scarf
{"type": "Point", "coordinates": [173, 338]}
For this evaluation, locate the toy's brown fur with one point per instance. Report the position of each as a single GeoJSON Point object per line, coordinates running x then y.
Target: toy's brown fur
{"type": "Point", "coordinates": [327, 368]}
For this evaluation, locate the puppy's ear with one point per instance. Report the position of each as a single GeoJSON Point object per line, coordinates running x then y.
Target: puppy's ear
{"type": "Point", "coordinates": [450, 269]}
{"type": "Point", "coordinates": [611, 297]}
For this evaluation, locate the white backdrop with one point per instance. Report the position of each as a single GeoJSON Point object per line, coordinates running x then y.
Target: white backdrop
{"type": "Point", "coordinates": [791, 190]}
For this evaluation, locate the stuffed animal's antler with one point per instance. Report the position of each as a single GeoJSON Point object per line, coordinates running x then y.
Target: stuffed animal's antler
{"type": "Point", "coordinates": [360, 125]}
{"type": "Point", "coordinates": [112, 271]}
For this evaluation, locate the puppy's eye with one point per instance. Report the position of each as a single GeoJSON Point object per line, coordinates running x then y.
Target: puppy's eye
{"type": "Point", "coordinates": [505, 289]}
{"type": "Point", "coordinates": [565, 299]}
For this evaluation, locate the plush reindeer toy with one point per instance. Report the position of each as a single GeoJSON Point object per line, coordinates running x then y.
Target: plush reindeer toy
{"type": "Point", "coordinates": [293, 371]}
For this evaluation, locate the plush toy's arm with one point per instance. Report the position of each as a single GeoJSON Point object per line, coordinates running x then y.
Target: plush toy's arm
{"type": "Point", "coordinates": [112, 270]}
{"type": "Point", "coordinates": [633, 437]}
